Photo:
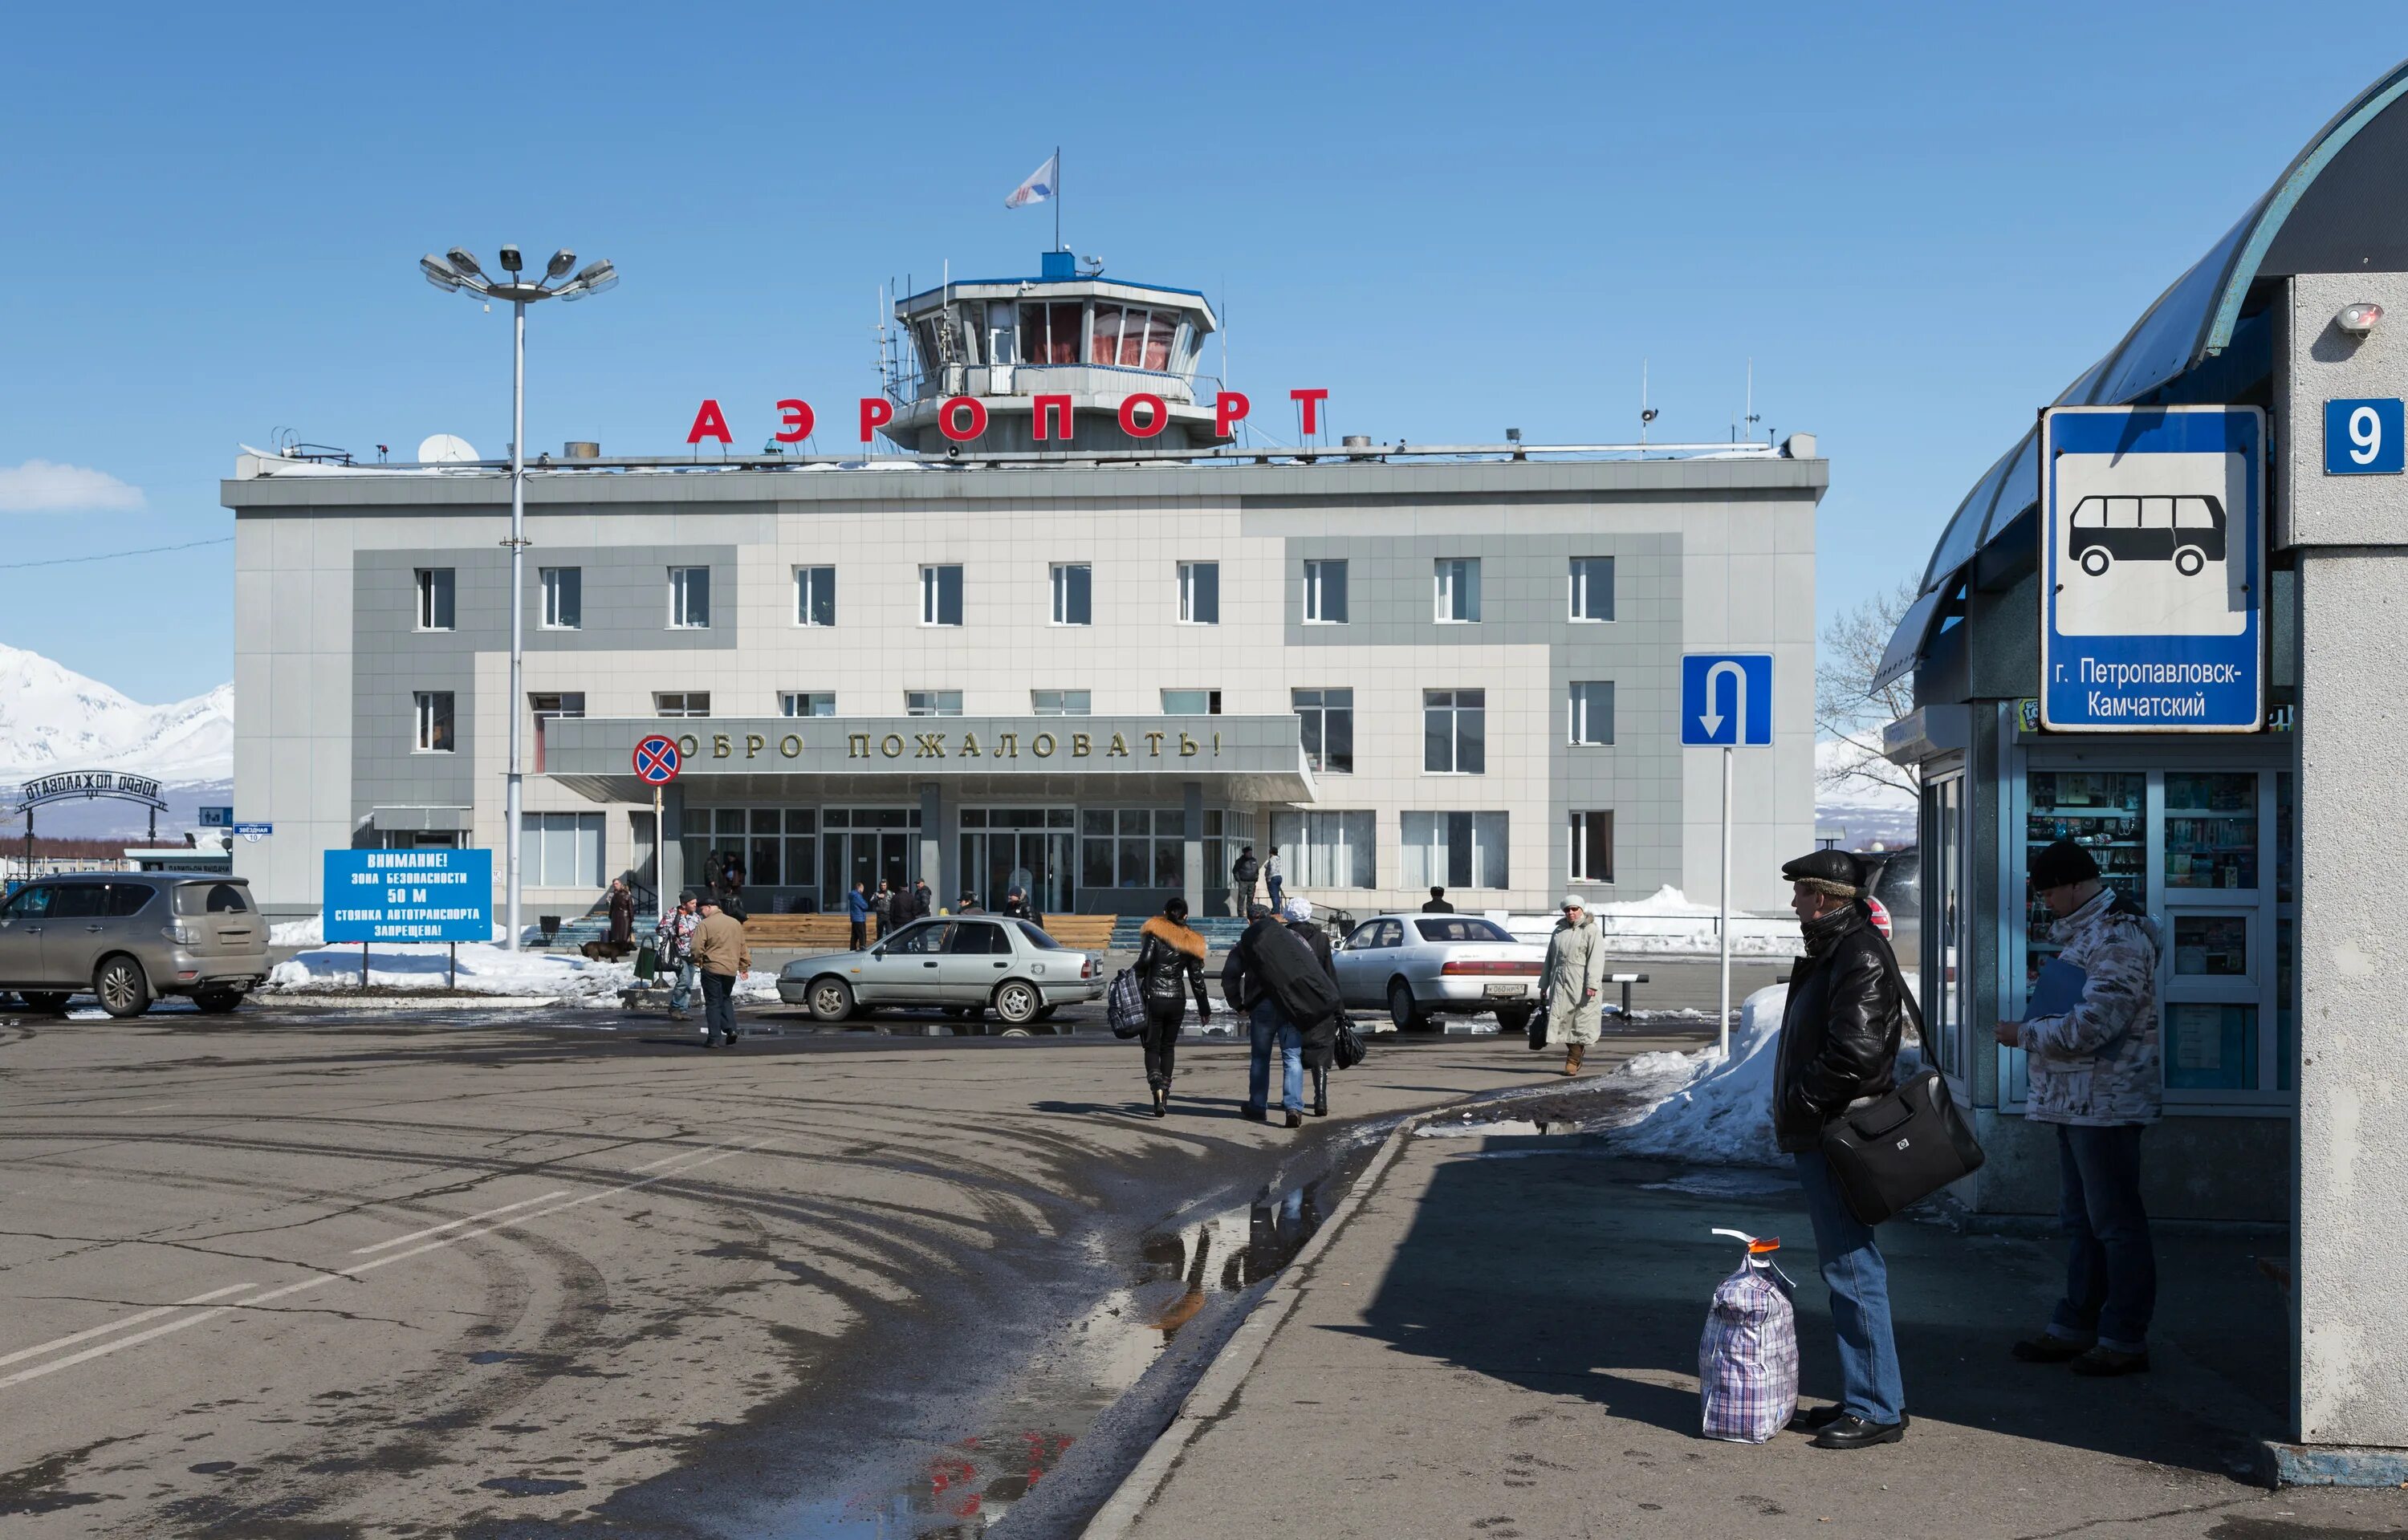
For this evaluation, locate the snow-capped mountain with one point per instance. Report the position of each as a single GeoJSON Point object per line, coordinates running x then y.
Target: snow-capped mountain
{"type": "Point", "coordinates": [54, 718]}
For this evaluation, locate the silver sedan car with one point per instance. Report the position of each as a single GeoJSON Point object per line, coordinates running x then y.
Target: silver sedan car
{"type": "Point", "coordinates": [1420, 966]}
{"type": "Point", "coordinates": [963, 964]}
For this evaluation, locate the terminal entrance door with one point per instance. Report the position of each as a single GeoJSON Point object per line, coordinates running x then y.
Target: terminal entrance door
{"type": "Point", "coordinates": [867, 845]}
{"type": "Point", "coordinates": [1030, 848]}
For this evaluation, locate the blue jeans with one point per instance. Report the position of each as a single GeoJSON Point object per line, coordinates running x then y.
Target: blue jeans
{"type": "Point", "coordinates": [1858, 1279]}
{"type": "Point", "coordinates": [2111, 1268]}
{"type": "Point", "coordinates": [1272, 1029]}
{"type": "Point", "coordinates": [718, 1005]}
{"type": "Point", "coordinates": [1276, 884]}
{"type": "Point", "coordinates": [684, 991]}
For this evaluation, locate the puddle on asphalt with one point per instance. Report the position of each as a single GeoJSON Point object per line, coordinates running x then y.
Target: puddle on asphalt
{"type": "Point", "coordinates": [1182, 1273]}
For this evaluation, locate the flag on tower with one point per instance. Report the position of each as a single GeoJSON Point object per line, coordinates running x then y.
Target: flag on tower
{"type": "Point", "coordinates": [1040, 185]}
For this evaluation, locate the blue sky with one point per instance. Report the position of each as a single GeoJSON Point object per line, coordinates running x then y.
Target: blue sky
{"type": "Point", "coordinates": [1920, 221]}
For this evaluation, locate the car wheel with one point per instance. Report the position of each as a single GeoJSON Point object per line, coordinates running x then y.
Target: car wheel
{"type": "Point", "coordinates": [2190, 560]}
{"type": "Point", "coordinates": [49, 1001]}
{"type": "Point", "coordinates": [2093, 560]}
{"type": "Point", "coordinates": [831, 998]}
{"type": "Point", "coordinates": [1513, 1019]}
{"type": "Point", "coordinates": [217, 1002]}
{"type": "Point", "coordinates": [1401, 1009]}
{"type": "Point", "coordinates": [1017, 1002]}
{"type": "Point", "coordinates": [120, 986]}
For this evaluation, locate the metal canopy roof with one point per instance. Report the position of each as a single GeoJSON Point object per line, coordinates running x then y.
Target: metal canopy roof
{"type": "Point", "coordinates": [2335, 210]}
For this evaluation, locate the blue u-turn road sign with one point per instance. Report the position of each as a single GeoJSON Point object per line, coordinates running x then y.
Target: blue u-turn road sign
{"type": "Point", "coordinates": [409, 895]}
{"type": "Point", "coordinates": [1726, 699]}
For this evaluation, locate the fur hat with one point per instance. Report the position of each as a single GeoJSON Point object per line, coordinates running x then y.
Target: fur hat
{"type": "Point", "coordinates": [1296, 909]}
{"type": "Point", "coordinates": [2062, 864]}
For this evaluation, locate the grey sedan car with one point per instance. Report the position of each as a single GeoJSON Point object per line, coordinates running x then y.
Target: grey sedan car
{"type": "Point", "coordinates": [1421, 965]}
{"type": "Point", "coordinates": [128, 937]}
{"type": "Point", "coordinates": [963, 964]}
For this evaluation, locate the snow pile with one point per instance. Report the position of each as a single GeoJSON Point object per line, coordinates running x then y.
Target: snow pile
{"type": "Point", "coordinates": [1666, 923]}
{"type": "Point", "coordinates": [563, 977]}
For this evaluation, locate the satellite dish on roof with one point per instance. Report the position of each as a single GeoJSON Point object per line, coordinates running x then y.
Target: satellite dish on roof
{"type": "Point", "coordinates": [446, 450]}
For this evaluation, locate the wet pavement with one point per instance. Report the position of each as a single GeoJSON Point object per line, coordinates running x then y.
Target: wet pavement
{"type": "Point", "coordinates": [299, 1273]}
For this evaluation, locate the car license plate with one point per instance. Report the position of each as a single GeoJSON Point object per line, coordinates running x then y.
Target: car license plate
{"type": "Point", "coordinates": [1502, 991]}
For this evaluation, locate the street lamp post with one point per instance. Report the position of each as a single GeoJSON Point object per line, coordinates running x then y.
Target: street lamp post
{"type": "Point", "coordinates": [456, 272]}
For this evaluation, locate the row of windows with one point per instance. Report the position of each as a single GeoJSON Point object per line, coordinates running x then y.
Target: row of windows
{"type": "Point", "coordinates": [1455, 595]}
{"type": "Point", "coordinates": [1454, 722]}
{"type": "Point", "coordinates": [1334, 848]}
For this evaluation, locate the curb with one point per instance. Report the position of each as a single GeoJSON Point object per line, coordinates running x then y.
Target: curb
{"type": "Point", "coordinates": [1217, 1391]}
{"type": "Point", "coordinates": [411, 1002]}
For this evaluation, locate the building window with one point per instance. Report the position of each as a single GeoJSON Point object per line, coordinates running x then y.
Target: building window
{"type": "Point", "coordinates": [689, 598]}
{"type": "Point", "coordinates": [1048, 333]}
{"type": "Point", "coordinates": [682, 703]}
{"type": "Point", "coordinates": [1455, 731]}
{"type": "Point", "coordinates": [1325, 593]}
{"type": "Point", "coordinates": [1061, 702]}
{"type": "Point", "coordinates": [1326, 847]}
{"type": "Point", "coordinates": [1328, 730]}
{"type": "Point", "coordinates": [562, 849]}
{"type": "Point", "coordinates": [564, 598]}
{"type": "Point", "coordinates": [550, 707]}
{"type": "Point", "coordinates": [1591, 588]}
{"type": "Point", "coordinates": [1133, 847]}
{"type": "Point", "coordinates": [435, 586]}
{"type": "Point", "coordinates": [1458, 589]}
{"type": "Point", "coordinates": [1191, 703]}
{"type": "Point", "coordinates": [940, 596]}
{"type": "Point", "coordinates": [1199, 592]}
{"type": "Point", "coordinates": [1592, 854]}
{"type": "Point", "coordinates": [815, 596]}
{"type": "Point", "coordinates": [1131, 339]}
{"type": "Point", "coordinates": [432, 734]}
{"type": "Point", "coordinates": [1592, 720]}
{"type": "Point", "coordinates": [932, 703]}
{"type": "Point", "coordinates": [1074, 594]}
{"type": "Point", "coordinates": [807, 703]}
{"type": "Point", "coordinates": [1455, 849]}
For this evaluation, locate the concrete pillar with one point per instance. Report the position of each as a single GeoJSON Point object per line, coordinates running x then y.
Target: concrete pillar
{"type": "Point", "coordinates": [935, 851]}
{"type": "Point", "coordinates": [1192, 794]}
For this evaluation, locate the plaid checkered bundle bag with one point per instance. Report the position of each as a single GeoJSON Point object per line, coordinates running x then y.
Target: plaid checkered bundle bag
{"type": "Point", "coordinates": [1747, 1359]}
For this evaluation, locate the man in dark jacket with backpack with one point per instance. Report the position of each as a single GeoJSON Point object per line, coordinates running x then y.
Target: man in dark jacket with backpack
{"type": "Point", "coordinates": [1839, 1045]}
{"type": "Point", "coordinates": [1273, 975]}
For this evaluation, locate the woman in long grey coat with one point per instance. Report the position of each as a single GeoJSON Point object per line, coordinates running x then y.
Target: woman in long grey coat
{"type": "Point", "coordinates": [1575, 983]}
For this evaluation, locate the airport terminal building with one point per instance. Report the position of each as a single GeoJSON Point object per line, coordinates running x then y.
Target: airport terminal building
{"type": "Point", "coordinates": [1065, 632]}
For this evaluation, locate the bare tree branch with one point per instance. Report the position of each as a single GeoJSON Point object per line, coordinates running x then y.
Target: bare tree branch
{"type": "Point", "coordinates": [1846, 705]}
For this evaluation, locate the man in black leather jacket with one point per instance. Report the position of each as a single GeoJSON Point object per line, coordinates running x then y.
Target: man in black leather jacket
{"type": "Point", "coordinates": [1839, 1045]}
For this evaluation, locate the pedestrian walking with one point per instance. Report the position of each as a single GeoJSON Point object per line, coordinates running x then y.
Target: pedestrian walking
{"type": "Point", "coordinates": [971, 905]}
{"type": "Point", "coordinates": [731, 894]}
{"type": "Point", "coordinates": [724, 955]}
{"type": "Point", "coordinates": [673, 946]}
{"type": "Point", "coordinates": [1271, 879]}
{"type": "Point", "coordinates": [622, 914]}
{"type": "Point", "coordinates": [1839, 1045]}
{"type": "Point", "coordinates": [856, 908]}
{"type": "Point", "coordinates": [2094, 1067]}
{"type": "Point", "coordinates": [1281, 986]}
{"type": "Point", "coordinates": [1019, 906]}
{"type": "Point", "coordinates": [1438, 903]}
{"type": "Point", "coordinates": [1320, 1036]}
{"type": "Point", "coordinates": [1169, 968]}
{"type": "Point", "coordinates": [924, 903]}
{"type": "Point", "coordinates": [1244, 873]}
{"type": "Point", "coordinates": [1574, 974]}
{"type": "Point", "coordinates": [882, 903]}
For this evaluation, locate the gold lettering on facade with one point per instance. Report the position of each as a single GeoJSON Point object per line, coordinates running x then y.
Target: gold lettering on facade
{"type": "Point", "coordinates": [753, 744]}
{"type": "Point", "coordinates": [891, 746]}
{"type": "Point", "coordinates": [720, 747]}
{"type": "Point", "coordinates": [1006, 746]}
{"type": "Point", "coordinates": [1044, 745]}
{"type": "Point", "coordinates": [969, 748]}
{"type": "Point", "coordinates": [687, 747]}
{"type": "Point", "coordinates": [1119, 747]}
{"type": "Point", "coordinates": [1153, 745]}
{"type": "Point", "coordinates": [1216, 743]}
{"type": "Point", "coordinates": [1187, 747]}
{"type": "Point", "coordinates": [1082, 745]}
{"type": "Point", "coordinates": [932, 747]}
{"type": "Point", "coordinates": [856, 746]}
{"type": "Point", "coordinates": [790, 745]}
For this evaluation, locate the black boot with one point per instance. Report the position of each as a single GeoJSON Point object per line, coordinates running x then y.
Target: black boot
{"type": "Point", "coordinates": [1320, 1091]}
{"type": "Point", "coordinates": [1161, 1102]}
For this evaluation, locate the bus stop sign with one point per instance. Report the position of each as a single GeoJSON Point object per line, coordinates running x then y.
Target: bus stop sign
{"type": "Point", "coordinates": [2152, 569]}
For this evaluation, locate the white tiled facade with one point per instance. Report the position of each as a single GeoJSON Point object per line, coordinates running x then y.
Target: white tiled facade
{"type": "Point", "coordinates": [1711, 554]}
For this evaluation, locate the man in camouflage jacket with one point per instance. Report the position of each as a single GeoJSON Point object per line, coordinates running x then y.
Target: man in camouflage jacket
{"type": "Point", "coordinates": [2096, 1074]}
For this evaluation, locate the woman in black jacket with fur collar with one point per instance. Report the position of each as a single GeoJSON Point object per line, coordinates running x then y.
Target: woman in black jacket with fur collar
{"type": "Point", "coordinates": [1170, 966]}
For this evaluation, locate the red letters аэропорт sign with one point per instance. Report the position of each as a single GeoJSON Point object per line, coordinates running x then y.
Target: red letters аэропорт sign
{"type": "Point", "coordinates": [963, 418]}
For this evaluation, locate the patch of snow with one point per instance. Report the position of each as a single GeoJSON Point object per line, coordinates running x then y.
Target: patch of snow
{"type": "Point", "coordinates": [483, 969]}
{"type": "Point", "coordinates": [54, 718]}
{"type": "Point", "coordinates": [1666, 923]}
{"type": "Point", "coordinates": [1521, 1126]}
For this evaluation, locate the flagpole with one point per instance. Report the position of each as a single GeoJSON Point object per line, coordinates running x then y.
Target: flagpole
{"type": "Point", "coordinates": [1057, 198]}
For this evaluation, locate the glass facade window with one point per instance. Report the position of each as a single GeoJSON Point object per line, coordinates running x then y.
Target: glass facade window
{"type": "Point", "coordinates": [1455, 851]}
{"type": "Point", "coordinates": [564, 598]}
{"type": "Point", "coordinates": [807, 703]}
{"type": "Point", "coordinates": [432, 717]}
{"type": "Point", "coordinates": [435, 598]}
{"type": "Point", "coordinates": [932, 703]}
{"type": "Point", "coordinates": [2211, 830]}
{"type": "Point", "coordinates": [1061, 702]}
{"type": "Point", "coordinates": [1945, 941]}
{"type": "Point", "coordinates": [1592, 583]}
{"type": "Point", "coordinates": [1199, 592]}
{"type": "Point", "coordinates": [1592, 715]}
{"type": "Point", "coordinates": [1457, 582]}
{"type": "Point", "coordinates": [562, 849]}
{"type": "Point", "coordinates": [682, 703]}
{"type": "Point", "coordinates": [1048, 333]}
{"type": "Point", "coordinates": [815, 596]}
{"type": "Point", "coordinates": [1455, 731]}
{"type": "Point", "coordinates": [1074, 594]}
{"type": "Point", "coordinates": [1326, 847]}
{"type": "Point", "coordinates": [689, 598]}
{"type": "Point", "coordinates": [1328, 729]}
{"type": "Point", "coordinates": [548, 707]}
{"type": "Point", "coordinates": [1133, 847]}
{"type": "Point", "coordinates": [940, 596]}
{"type": "Point", "coordinates": [1592, 847]}
{"type": "Point", "coordinates": [1325, 593]}
{"type": "Point", "coordinates": [1191, 703]}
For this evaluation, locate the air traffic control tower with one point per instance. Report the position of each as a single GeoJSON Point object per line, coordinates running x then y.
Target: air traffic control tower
{"type": "Point", "coordinates": [1009, 343]}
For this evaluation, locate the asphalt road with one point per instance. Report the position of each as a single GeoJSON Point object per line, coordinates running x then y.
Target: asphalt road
{"type": "Point", "coordinates": [311, 1274]}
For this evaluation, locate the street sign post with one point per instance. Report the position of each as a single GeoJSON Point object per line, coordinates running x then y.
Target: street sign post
{"type": "Point", "coordinates": [2153, 562]}
{"type": "Point", "coordinates": [216, 817]}
{"type": "Point", "coordinates": [252, 832]}
{"type": "Point", "coordinates": [2363, 437]}
{"type": "Point", "coordinates": [1726, 704]}
{"type": "Point", "coordinates": [657, 763]}
{"type": "Point", "coordinates": [408, 895]}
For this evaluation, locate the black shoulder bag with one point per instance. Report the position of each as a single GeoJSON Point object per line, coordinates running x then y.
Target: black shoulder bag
{"type": "Point", "coordinates": [1898, 1149]}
